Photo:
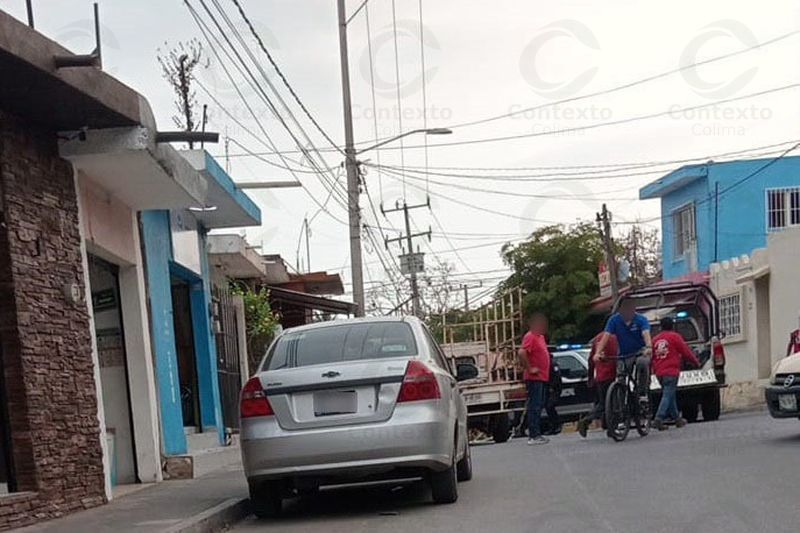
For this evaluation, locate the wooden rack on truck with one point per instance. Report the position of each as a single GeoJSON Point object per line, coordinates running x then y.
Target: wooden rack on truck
{"type": "Point", "coordinates": [489, 337]}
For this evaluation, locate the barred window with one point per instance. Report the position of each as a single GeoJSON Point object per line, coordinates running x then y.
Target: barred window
{"type": "Point", "coordinates": [730, 314]}
{"type": "Point", "coordinates": [783, 208]}
{"type": "Point", "coordinates": [683, 224]}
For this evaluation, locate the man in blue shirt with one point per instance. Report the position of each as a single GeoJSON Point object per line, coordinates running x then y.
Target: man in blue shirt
{"type": "Point", "coordinates": [633, 334]}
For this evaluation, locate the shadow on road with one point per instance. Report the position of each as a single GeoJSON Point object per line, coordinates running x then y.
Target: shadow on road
{"type": "Point", "coordinates": [386, 500]}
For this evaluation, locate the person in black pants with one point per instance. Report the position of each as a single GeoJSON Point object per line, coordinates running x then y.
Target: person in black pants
{"type": "Point", "coordinates": [553, 394]}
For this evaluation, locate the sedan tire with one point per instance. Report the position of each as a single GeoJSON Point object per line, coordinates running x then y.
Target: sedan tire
{"type": "Point", "coordinates": [444, 484]}
{"type": "Point", "coordinates": [265, 499]}
{"type": "Point", "coordinates": [464, 466]}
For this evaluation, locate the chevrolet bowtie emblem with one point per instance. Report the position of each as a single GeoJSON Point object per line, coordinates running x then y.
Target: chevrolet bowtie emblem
{"type": "Point", "coordinates": [789, 381]}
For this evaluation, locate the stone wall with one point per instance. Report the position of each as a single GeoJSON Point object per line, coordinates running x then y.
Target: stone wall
{"type": "Point", "coordinates": [46, 342]}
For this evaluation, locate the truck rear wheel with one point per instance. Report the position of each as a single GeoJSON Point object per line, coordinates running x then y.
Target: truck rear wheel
{"type": "Point", "coordinates": [689, 411]}
{"type": "Point", "coordinates": [500, 427]}
{"type": "Point", "coordinates": [711, 405]}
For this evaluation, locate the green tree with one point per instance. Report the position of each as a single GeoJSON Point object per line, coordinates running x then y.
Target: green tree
{"type": "Point", "coordinates": [557, 269]}
{"type": "Point", "coordinates": [260, 321]}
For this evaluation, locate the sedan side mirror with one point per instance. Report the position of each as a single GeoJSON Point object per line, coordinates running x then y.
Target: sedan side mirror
{"type": "Point", "coordinates": [465, 371]}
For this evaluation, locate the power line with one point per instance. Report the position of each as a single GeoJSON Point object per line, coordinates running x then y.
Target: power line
{"type": "Point", "coordinates": [207, 34]}
{"type": "Point", "coordinates": [597, 125]}
{"type": "Point", "coordinates": [374, 101]}
{"type": "Point", "coordinates": [283, 77]}
{"type": "Point", "coordinates": [397, 86]}
{"type": "Point", "coordinates": [628, 85]}
{"type": "Point", "coordinates": [260, 89]}
{"type": "Point", "coordinates": [615, 170]}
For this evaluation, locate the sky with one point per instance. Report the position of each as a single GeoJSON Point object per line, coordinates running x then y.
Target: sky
{"type": "Point", "coordinates": [482, 59]}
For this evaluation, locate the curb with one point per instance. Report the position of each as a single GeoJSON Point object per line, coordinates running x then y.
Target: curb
{"type": "Point", "coordinates": [214, 519]}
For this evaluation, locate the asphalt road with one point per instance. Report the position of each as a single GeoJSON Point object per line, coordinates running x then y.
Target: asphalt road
{"type": "Point", "coordinates": [740, 474]}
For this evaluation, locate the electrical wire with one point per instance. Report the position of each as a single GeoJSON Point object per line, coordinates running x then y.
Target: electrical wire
{"type": "Point", "coordinates": [374, 101]}
{"type": "Point", "coordinates": [634, 83]}
{"type": "Point", "coordinates": [283, 77]}
{"type": "Point", "coordinates": [397, 86]}
{"type": "Point", "coordinates": [208, 36]}
{"type": "Point", "coordinates": [260, 90]}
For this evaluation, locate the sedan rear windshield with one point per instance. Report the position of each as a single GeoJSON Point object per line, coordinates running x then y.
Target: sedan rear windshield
{"type": "Point", "coordinates": [347, 342]}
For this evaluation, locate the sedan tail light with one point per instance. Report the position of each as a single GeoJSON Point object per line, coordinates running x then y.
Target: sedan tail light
{"type": "Point", "coordinates": [254, 400]}
{"type": "Point", "coordinates": [718, 351]}
{"type": "Point", "coordinates": [419, 383]}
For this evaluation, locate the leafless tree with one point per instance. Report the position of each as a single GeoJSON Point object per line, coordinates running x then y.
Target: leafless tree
{"type": "Point", "coordinates": [178, 65]}
{"type": "Point", "coordinates": [641, 247]}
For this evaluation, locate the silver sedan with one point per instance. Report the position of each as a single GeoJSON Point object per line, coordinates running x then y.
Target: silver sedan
{"type": "Point", "coordinates": [350, 401]}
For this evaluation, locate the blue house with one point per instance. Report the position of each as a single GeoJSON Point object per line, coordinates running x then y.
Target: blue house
{"type": "Point", "coordinates": [716, 211]}
{"type": "Point", "coordinates": [179, 290]}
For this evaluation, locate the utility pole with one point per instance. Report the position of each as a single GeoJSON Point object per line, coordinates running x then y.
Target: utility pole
{"type": "Point", "coordinates": [411, 263]}
{"type": "Point", "coordinates": [308, 244]}
{"type": "Point", "coordinates": [351, 166]}
{"type": "Point", "coordinates": [604, 222]}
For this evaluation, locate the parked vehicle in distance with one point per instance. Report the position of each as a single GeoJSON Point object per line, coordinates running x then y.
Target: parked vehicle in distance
{"type": "Point", "coordinates": [783, 393]}
{"type": "Point", "coordinates": [694, 308]}
{"type": "Point", "coordinates": [350, 401]}
{"type": "Point", "coordinates": [576, 398]}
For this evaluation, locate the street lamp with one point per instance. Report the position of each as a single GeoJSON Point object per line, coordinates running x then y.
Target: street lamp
{"type": "Point", "coordinates": [354, 213]}
{"type": "Point", "coordinates": [429, 131]}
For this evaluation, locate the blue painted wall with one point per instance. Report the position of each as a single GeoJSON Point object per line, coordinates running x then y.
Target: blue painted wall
{"type": "Point", "coordinates": [157, 241]}
{"type": "Point", "coordinates": [206, 346]}
{"type": "Point", "coordinates": [742, 212]}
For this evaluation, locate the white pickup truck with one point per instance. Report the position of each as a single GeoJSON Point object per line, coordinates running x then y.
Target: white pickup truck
{"type": "Point", "coordinates": [694, 308]}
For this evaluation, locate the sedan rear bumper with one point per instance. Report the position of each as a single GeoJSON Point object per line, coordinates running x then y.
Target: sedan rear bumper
{"type": "Point", "coordinates": [414, 437]}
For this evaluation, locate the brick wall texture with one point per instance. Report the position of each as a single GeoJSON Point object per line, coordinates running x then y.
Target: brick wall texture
{"type": "Point", "coordinates": [45, 339]}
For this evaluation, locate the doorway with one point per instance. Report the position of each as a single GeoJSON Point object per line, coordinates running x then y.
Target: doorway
{"type": "Point", "coordinates": [184, 345]}
{"type": "Point", "coordinates": [114, 380]}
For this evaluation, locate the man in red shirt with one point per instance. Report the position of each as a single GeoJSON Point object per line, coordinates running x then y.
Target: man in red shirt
{"type": "Point", "coordinates": [669, 350]}
{"type": "Point", "coordinates": [535, 359]}
{"type": "Point", "coordinates": [602, 373]}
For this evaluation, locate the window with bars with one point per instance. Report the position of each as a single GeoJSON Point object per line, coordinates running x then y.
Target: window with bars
{"type": "Point", "coordinates": [683, 224]}
{"type": "Point", "coordinates": [783, 208]}
{"type": "Point", "coordinates": [730, 314]}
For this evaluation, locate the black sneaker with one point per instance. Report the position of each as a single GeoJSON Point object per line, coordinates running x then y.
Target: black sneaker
{"type": "Point", "coordinates": [659, 424]}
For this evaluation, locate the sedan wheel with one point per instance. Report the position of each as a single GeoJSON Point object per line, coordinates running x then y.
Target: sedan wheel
{"type": "Point", "coordinates": [464, 466]}
{"type": "Point", "coordinates": [265, 499]}
{"type": "Point", "coordinates": [444, 484]}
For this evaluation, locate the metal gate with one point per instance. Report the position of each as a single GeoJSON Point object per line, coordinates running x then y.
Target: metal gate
{"type": "Point", "coordinates": [228, 356]}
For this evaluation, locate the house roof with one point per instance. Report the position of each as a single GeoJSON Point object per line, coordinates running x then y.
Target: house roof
{"type": "Point", "coordinates": [673, 181]}
{"type": "Point", "coordinates": [310, 301]}
{"type": "Point", "coordinates": [66, 98]}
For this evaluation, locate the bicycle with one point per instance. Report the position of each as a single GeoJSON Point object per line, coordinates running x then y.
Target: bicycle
{"type": "Point", "coordinates": [623, 405]}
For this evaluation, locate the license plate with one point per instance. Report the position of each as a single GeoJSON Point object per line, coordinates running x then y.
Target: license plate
{"type": "Point", "coordinates": [328, 403]}
{"type": "Point", "coordinates": [479, 398]}
{"type": "Point", "coordinates": [689, 378]}
{"type": "Point", "coordinates": [787, 402]}
{"type": "Point", "coordinates": [696, 377]}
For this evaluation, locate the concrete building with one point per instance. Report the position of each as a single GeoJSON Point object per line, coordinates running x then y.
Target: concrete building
{"type": "Point", "coordinates": [183, 312]}
{"type": "Point", "coordinates": [714, 211]}
{"type": "Point", "coordinates": [759, 306]}
{"type": "Point", "coordinates": [90, 396]}
{"type": "Point", "coordinates": [78, 159]}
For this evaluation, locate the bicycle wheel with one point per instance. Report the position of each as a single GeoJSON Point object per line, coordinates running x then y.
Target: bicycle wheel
{"type": "Point", "coordinates": [617, 419]}
{"type": "Point", "coordinates": [642, 416]}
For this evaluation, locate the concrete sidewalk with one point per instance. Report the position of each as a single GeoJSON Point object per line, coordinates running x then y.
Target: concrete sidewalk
{"type": "Point", "coordinates": [204, 504]}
